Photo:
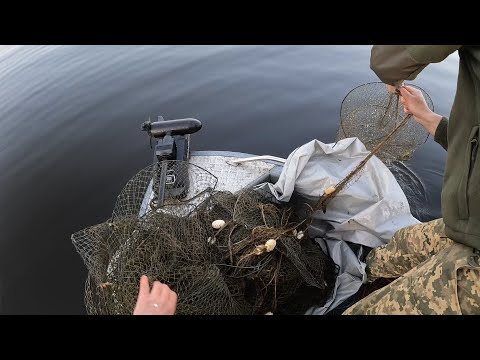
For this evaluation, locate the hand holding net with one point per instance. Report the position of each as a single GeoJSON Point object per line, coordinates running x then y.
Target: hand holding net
{"type": "Point", "coordinates": [373, 115]}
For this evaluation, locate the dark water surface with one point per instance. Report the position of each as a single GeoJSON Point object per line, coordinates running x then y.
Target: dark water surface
{"type": "Point", "coordinates": [70, 139]}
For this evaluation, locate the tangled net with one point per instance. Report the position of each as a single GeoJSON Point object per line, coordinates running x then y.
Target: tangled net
{"type": "Point", "coordinates": [230, 270]}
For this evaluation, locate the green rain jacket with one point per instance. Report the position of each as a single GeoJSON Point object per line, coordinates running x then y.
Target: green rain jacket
{"type": "Point", "coordinates": [459, 135]}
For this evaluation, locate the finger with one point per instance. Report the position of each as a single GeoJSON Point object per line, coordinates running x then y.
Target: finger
{"type": "Point", "coordinates": [171, 302]}
{"type": "Point", "coordinates": [167, 297]}
{"type": "Point", "coordinates": [144, 286]}
{"type": "Point", "coordinates": [159, 291]}
{"type": "Point", "coordinates": [406, 110]}
{"type": "Point", "coordinates": [402, 100]}
{"type": "Point", "coordinates": [405, 92]}
{"type": "Point", "coordinates": [413, 90]}
{"type": "Point", "coordinates": [391, 89]}
{"type": "Point", "coordinates": [173, 298]}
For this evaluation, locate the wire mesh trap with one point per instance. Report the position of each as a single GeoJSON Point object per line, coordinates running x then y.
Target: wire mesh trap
{"type": "Point", "coordinates": [223, 253]}
{"type": "Point", "coordinates": [370, 113]}
{"type": "Point", "coordinates": [377, 118]}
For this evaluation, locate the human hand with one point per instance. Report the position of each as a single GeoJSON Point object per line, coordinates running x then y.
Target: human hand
{"type": "Point", "coordinates": [159, 301]}
{"type": "Point", "coordinates": [414, 103]}
{"type": "Point", "coordinates": [393, 89]}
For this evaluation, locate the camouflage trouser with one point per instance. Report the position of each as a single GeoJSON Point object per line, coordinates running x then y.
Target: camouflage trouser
{"type": "Point", "coordinates": [435, 274]}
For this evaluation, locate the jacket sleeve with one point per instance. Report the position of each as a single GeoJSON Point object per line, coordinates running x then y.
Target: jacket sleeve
{"type": "Point", "coordinates": [441, 133]}
{"type": "Point", "coordinates": [396, 63]}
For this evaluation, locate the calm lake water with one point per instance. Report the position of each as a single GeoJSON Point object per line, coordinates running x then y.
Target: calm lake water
{"type": "Point", "coordinates": [70, 135]}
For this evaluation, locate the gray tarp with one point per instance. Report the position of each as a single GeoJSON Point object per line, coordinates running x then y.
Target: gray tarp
{"type": "Point", "coordinates": [368, 212]}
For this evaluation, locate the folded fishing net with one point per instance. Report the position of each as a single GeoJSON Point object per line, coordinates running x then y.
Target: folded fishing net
{"type": "Point", "coordinates": [221, 252]}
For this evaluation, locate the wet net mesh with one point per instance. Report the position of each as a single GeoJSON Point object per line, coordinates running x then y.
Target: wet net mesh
{"type": "Point", "coordinates": [377, 118]}
{"type": "Point", "coordinates": [370, 113]}
{"type": "Point", "coordinates": [258, 260]}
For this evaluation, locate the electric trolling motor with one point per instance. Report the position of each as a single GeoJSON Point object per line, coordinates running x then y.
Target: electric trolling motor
{"type": "Point", "coordinates": [172, 143]}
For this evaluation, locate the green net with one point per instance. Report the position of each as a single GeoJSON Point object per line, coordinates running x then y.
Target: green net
{"type": "Point", "coordinates": [221, 252]}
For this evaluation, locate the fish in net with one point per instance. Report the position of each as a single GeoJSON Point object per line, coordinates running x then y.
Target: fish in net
{"type": "Point", "coordinates": [221, 252]}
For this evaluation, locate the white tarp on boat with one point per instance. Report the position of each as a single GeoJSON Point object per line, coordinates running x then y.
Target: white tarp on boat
{"type": "Point", "coordinates": [366, 213]}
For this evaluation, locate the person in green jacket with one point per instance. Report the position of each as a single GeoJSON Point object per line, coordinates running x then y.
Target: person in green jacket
{"type": "Point", "coordinates": [437, 264]}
